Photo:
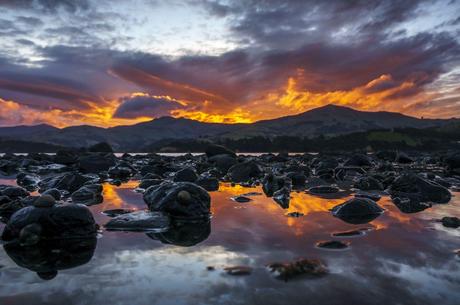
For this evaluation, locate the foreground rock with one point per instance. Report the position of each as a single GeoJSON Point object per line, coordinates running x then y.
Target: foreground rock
{"type": "Point", "coordinates": [88, 195]}
{"type": "Point", "coordinates": [299, 268]}
{"type": "Point", "coordinates": [179, 199]}
{"type": "Point", "coordinates": [416, 188]}
{"type": "Point", "coordinates": [49, 221]}
{"type": "Point", "coordinates": [139, 221]}
{"type": "Point", "coordinates": [357, 210]}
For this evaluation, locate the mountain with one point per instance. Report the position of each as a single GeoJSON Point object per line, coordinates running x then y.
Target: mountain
{"type": "Point", "coordinates": [330, 120]}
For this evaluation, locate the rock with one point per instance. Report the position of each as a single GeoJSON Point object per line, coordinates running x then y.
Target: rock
{"type": "Point", "coordinates": [358, 161]}
{"type": "Point", "coordinates": [403, 158]}
{"type": "Point", "coordinates": [283, 196]}
{"type": "Point", "coordinates": [372, 196]}
{"type": "Point", "coordinates": [241, 199]}
{"type": "Point", "coordinates": [28, 181]}
{"type": "Point", "coordinates": [214, 150]}
{"type": "Point", "coordinates": [44, 201]}
{"type": "Point", "coordinates": [272, 184]}
{"type": "Point", "coordinates": [222, 162]}
{"type": "Point", "coordinates": [238, 270]}
{"type": "Point", "coordinates": [30, 234]}
{"type": "Point", "coordinates": [55, 193]}
{"type": "Point", "coordinates": [96, 163]}
{"type": "Point", "coordinates": [357, 210]}
{"type": "Point", "coordinates": [410, 205]}
{"type": "Point", "coordinates": [451, 222]}
{"type": "Point", "coordinates": [413, 186]}
{"type": "Point", "coordinates": [101, 147]}
{"type": "Point", "coordinates": [121, 171]}
{"type": "Point", "coordinates": [295, 214]}
{"type": "Point", "coordinates": [245, 171]}
{"type": "Point", "coordinates": [13, 192]}
{"type": "Point", "coordinates": [116, 212]}
{"type": "Point", "coordinates": [66, 157]}
{"type": "Point", "coordinates": [323, 189]}
{"type": "Point", "coordinates": [187, 174]}
{"type": "Point", "coordinates": [89, 194]}
{"type": "Point", "coordinates": [179, 199]}
{"type": "Point", "coordinates": [332, 245]}
{"type": "Point", "coordinates": [298, 179]}
{"type": "Point", "coordinates": [350, 233]}
{"type": "Point", "coordinates": [301, 267]}
{"type": "Point", "coordinates": [69, 182]}
{"type": "Point", "coordinates": [139, 221]}
{"type": "Point", "coordinates": [368, 184]}
{"type": "Point", "coordinates": [57, 222]}
{"type": "Point", "coordinates": [208, 183]}
{"type": "Point", "coordinates": [146, 183]}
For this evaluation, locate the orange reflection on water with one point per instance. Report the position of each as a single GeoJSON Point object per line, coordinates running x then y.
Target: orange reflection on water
{"type": "Point", "coordinates": [112, 198]}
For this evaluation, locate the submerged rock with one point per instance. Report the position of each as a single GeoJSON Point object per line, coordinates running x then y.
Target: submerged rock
{"type": "Point", "coordinates": [179, 199]}
{"type": "Point", "coordinates": [238, 270]}
{"type": "Point", "coordinates": [116, 212]}
{"type": "Point", "coordinates": [357, 210]}
{"type": "Point", "coordinates": [139, 221]}
{"type": "Point", "coordinates": [298, 268]}
{"type": "Point", "coordinates": [451, 222]}
{"type": "Point", "coordinates": [332, 245]}
{"type": "Point", "coordinates": [323, 189]}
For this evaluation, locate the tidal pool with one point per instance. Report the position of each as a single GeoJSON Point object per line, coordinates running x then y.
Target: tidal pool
{"type": "Point", "coordinates": [401, 258]}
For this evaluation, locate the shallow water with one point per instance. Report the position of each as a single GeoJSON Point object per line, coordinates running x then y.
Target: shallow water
{"type": "Point", "coordinates": [402, 259]}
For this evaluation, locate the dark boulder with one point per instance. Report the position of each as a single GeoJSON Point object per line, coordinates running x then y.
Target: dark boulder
{"type": "Point", "coordinates": [179, 199]}
{"type": "Point", "coordinates": [272, 183]}
{"type": "Point", "coordinates": [187, 174]}
{"type": "Point", "coordinates": [13, 192]}
{"type": "Point", "coordinates": [88, 195]}
{"type": "Point", "coordinates": [413, 186]}
{"type": "Point", "coordinates": [358, 161]}
{"type": "Point", "coordinates": [410, 204]}
{"type": "Point", "coordinates": [450, 222]}
{"type": "Point", "coordinates": [368, 184]}
{"type": "Point", "coordinates": [69, 182]}
{"type": "Point", "coordinates": [245, 171]}
{"type": "Point", "coordinates": [357, 210]}
{"type": "Point", "coordinates": [96, 163]}
{"type": "Point", "coordinates": [56, 222]}
{"type": "Point", "coordinates": [121, 171]}
{"type": "Point", "coordinates": [208, 183]}
{"type": "Point", "coordinates": [222, 162]}
{"type": "Point", "coordinates": [28, 181]}
{"type": "Point", "coordinates": [146, 183]}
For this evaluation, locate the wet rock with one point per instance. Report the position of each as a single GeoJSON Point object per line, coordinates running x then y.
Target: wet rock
{"type": "Point", "coordinates": [357, 210]}
{"type": "Point", "coordinates": [238, 270]}
{"type": "Point", "coordinates": [451, 222]}
{"type": "Point", "coordinates": [332, 245]}
{"type": "Point", "coordinates": [323, 189]}
{"type": "Point", "coordinates": [372, 196]}
{"type": "Point", "coordinates": [350, 233]}
{"type": "Point", "coordinates": [358, 161]}
{"type": "Point", "coordinates": [241, 199]}
{"type": "Point", "coordinates": [96, 163]}
{"type": "Point", "coordinates": [348, 173]}
{"type": "Point", "coordinates": [403, 158]}
{"type": "Point", "coordinates": [187, 174]}
{"type": "Point", "coordinates": [214, 150]}
{"type": "Point", "coordinates": [184, 233]}
{"type": "Point", "coordinates": [30, 234]}
{"type": "Point", "coordinates": [117, 212]}
{"type": "Point", "coordinates": [121, 171]}
{"type": "Point", "coordinates": [298, 179]}
{"type": "Point", "coordinates": [47, 258]}
{"type": "Point", "coordinates": [410, 204]}
{"type": "Point", "coordinates": [299, 268]}
{"type": "Point", "coordinates": [66, 157]}
{"type": "Point", "coordinates": [146, 183]}
{"type": "Point", "coordinates": [55, 193]}
{"type": "Point", "coordinates": [245, 171]}
{"type": "Point", "coordinates": [88, 195]}
{"type": "Point", "coordinates": [101, 147]}
{"type": "Point", "coordinates": [58, 221]}
{"type": "Point", "coordinates": [179, 199]}
{"type": "Point", "coordinates": [295, 214]}
{"type": "Point", "coordinates": [13, 192]}
{"type": "Point", "coordinates": [69, 182]}
{"type": "Point", "coordinates": [283, 196]}
{"type": "Point", "coordinates": [222, 162]}
{"type": "Point", "coordinates": [368, 184]}
{"type": "Point", "coordinates": [413, 186]}
{"type": "Point", "coordinates": [44, 201]}
{"type": "Point", "coordinates": [271, 184]}
{"type": "Point", "coordinates": [208, 183]}
{"type": "Point", "coordinates": [28, 181]}
{"type": "Point", "coordinates": [139, 221]}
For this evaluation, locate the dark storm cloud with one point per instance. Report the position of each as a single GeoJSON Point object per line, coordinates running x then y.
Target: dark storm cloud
{"type": "Point", "coordinates": [146, 106]}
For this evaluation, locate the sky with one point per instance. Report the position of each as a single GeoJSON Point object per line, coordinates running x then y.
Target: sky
{"type": "Point", "coordinates": [113, 62]}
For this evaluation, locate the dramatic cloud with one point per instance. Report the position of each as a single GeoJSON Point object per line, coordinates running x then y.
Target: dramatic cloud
{"type": "Point", "coordinates": [233, 61]}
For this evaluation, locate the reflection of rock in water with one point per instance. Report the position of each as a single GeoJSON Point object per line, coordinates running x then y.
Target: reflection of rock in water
{"type": "Point", "coordinates": [184, 233]}
{"type": "Point", "coordinates": [47, 258]}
